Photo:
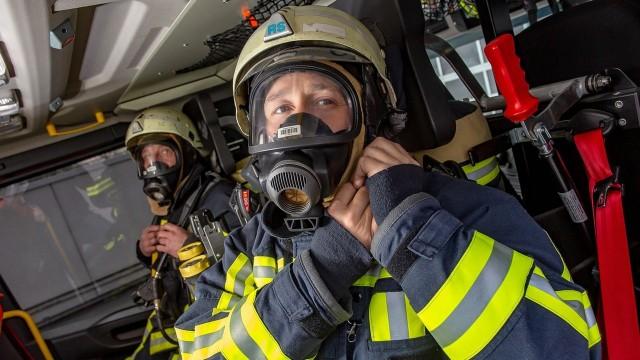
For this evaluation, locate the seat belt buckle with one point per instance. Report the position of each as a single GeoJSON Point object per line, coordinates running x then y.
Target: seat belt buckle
{"type": "Point", "coordinates": [603, 187]}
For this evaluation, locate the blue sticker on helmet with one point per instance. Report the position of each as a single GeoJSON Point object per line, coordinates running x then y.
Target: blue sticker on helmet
{"type": "Point", "coordinates": [277, 28]}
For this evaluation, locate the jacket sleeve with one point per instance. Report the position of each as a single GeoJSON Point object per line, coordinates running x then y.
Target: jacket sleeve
{"type": "Point", "coordinates": [287, 317]}
{"type": "Point", "coordinates": [503, 292]}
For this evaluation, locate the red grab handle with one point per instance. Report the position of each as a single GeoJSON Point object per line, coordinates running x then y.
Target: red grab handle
{"type": "Point", "coordinates": [501, 53]}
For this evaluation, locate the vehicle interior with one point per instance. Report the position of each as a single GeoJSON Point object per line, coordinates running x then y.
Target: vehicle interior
{"type": "Point", "coordinates": [74, 73]}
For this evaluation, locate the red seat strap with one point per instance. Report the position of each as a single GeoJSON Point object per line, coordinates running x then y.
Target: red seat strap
{"type": "Point", "coordinates": [616, 282]}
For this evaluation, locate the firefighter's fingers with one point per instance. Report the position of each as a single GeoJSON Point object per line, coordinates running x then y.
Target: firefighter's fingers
{"type": "Point", "coordinates": [171, 249]}
{"type": "Point", "coordinates": [344, 195]}
{"type": "Point", "coordinates": [171, 228]}
{"type": "Point", "coordinates": [380, 155]}
{"type": "Point", "coordinates": [354, 216]}
{"type": "Point", "coordinates": [175, 239]}
{"type": "Point", "coordinates": [146, 248]}
{"type": "Point", "coordinates": [360, 201]}
{"type": "Point", "coordinates": [152, 228]}
{"type": "Point", "coordinates": [390, 151]}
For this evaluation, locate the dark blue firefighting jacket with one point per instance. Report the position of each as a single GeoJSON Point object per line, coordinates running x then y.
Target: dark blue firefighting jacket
{"type": "Point", "coordinates": [455, 270]}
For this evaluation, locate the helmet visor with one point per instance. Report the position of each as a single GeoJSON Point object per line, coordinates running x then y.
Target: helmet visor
{"type": "Point", "coordinates": [301, 103]}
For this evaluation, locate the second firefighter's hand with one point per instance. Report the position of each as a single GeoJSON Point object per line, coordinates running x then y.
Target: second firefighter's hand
{"type": "Point", "coordinates": [148, 240]}
{"type": "Point", "coordinates": [171, 238]}
{"type": "Point", "coordinates": [350, 208]}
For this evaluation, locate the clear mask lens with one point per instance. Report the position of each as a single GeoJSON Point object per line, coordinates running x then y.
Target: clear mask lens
{"type": "Point", "coordinates": [300, 104]}
{"type": "Point", "coordinates": [156, 159]}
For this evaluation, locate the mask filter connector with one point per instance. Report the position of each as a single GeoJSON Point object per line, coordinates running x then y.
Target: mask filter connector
{"type": "Point", "coordinates": [294, 187]}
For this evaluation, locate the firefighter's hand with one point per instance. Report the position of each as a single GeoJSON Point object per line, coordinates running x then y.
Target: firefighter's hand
{"type": "Point", "coordinates": [171, 238]}
{"type": "Point", "coordinates": [350, 208]}
{"type": "Point", "coordinates": [380, 155]}
{"type": "Point", "coordinates": [148, 240]}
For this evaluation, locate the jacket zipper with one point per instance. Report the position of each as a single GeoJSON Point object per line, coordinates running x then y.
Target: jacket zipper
{"type": "Point", "coordinates": [352, 329]}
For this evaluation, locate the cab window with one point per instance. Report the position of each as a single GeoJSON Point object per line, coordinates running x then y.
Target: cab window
{"type": "Point", "coordinates": [69, 236]}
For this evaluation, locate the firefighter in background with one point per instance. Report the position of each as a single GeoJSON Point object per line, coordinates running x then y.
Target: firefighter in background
{"type": "Point", "coordinates": [173, 165]}
{"type": "Point", "coordinates": [404, 263]}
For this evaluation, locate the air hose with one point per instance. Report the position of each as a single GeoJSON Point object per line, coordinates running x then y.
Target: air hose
{"type": "Point", "coordinates": [157, 299]}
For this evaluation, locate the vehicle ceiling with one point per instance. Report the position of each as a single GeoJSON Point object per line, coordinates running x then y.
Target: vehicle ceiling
{"type": "Point", "coordinates": [126, 55]}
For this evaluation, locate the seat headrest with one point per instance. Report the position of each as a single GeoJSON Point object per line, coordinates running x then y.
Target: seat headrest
{"type": "Point", "coordinates": [583, 40]}
{"type": "Point", "coordinates": [399, 26]}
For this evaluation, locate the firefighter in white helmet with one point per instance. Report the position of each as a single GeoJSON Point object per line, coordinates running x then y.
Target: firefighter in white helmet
{"type": "Point", "coordinates": [390, 261]}
{"type": "Point", "coordinates": [172, 163]}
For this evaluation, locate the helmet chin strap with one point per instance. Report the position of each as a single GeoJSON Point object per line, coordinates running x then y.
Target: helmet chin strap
{"type": "Point", "coordinates": [156, 209]}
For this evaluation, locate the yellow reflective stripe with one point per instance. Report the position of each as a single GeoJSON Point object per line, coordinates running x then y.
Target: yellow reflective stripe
{"type": "Point", "coordinates": [559, 308]}
{"type": "Point", "coordinates": [210, 327]}
{"type": "Point", "coordinates": [258, 331]}
{"type": "Point", "coordinates": [366, 280]}
{"type": "Point", "coordinates": [570, 295]}
{"type": "Point", "coordinates": [483, 172]}
{"type": "Point", "coordinates": [264, 261]}
{"type": "Point", "coordinates": [384, 274]}
{"type": "Point", "coordinates": [490, 176]}
{"type": "Point", "coordinates": [594, 331]}
{"type": "Point", "coordinates": [248, 284]}
{"type": "Point", "coordinates": [232, 273]}
{"type": "Point", "coordinates": [378, 318]}
{"type": "Point", "coordinates": [414, 325]}
{"type": "Point", "coordinates": [370, 277]}
{"type": "Point", "coordinates": [468, 169]}
{"type": "Point", "coordinates": [538, 271]}
{"type": "Point", "coordinates": [159, 344]}
{"type": "Point", "coordinates": [458, 283]}
{"type": "Point", "coordinates": [280, 264]}
{"type": "Point", "coordinates": [203, 336]}
{"type": "Point", "coordinates": [226, 302]}
{"type": "Point", "coordinates": [229, 348]}
{"type": "Point", "coordinates": [185, 335]}
{"type": "Point", "coordinates": [205, 352]}
{"type": "Point", "coordinates": [565, 272]}
{"type": "Point", "coordinates": [145, 336]}
{"type": "Point", "coordinates": [260, 282]}
{"type": "Point", "coordinates": [496, 313]}
{"type": "Point", "coordinates": [594, 335]}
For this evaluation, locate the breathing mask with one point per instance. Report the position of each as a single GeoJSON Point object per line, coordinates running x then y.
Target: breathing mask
{"type": "Point", "coordinates": [159, 168]}
{"type": "Point", "coordinates": [305, 119]}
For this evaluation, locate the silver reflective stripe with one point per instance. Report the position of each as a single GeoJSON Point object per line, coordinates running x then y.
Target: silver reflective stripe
{"type": "Point", "coordinates": [264, 272]}
{"type": "Point", "coordinates": [577, 307]}
{"type": "Point", "coordinates": [475, 175]}
{"type": "Point", "coordinates": [543, 284]}
{"type": "Point", "coordinates": [590, 317]}
{"type": "Point", "coordinates": [241, 338]}
{"type": "Point", "coordinates": [159, 341]}
{"type": "Point", "coordinates": [476, 300]}
{"type": "Point", "coordinates": [241, 277]}
{"type": "Point", "coordinates": [200, 342]}
{"type": "Point", "coordinates": [398, 324]}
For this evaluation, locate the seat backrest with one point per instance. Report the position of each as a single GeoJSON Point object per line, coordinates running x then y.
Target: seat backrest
{"type": "Point", "coordinates": [582, 40]}
{"type": "Point", "coordinates": [431, 122]}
